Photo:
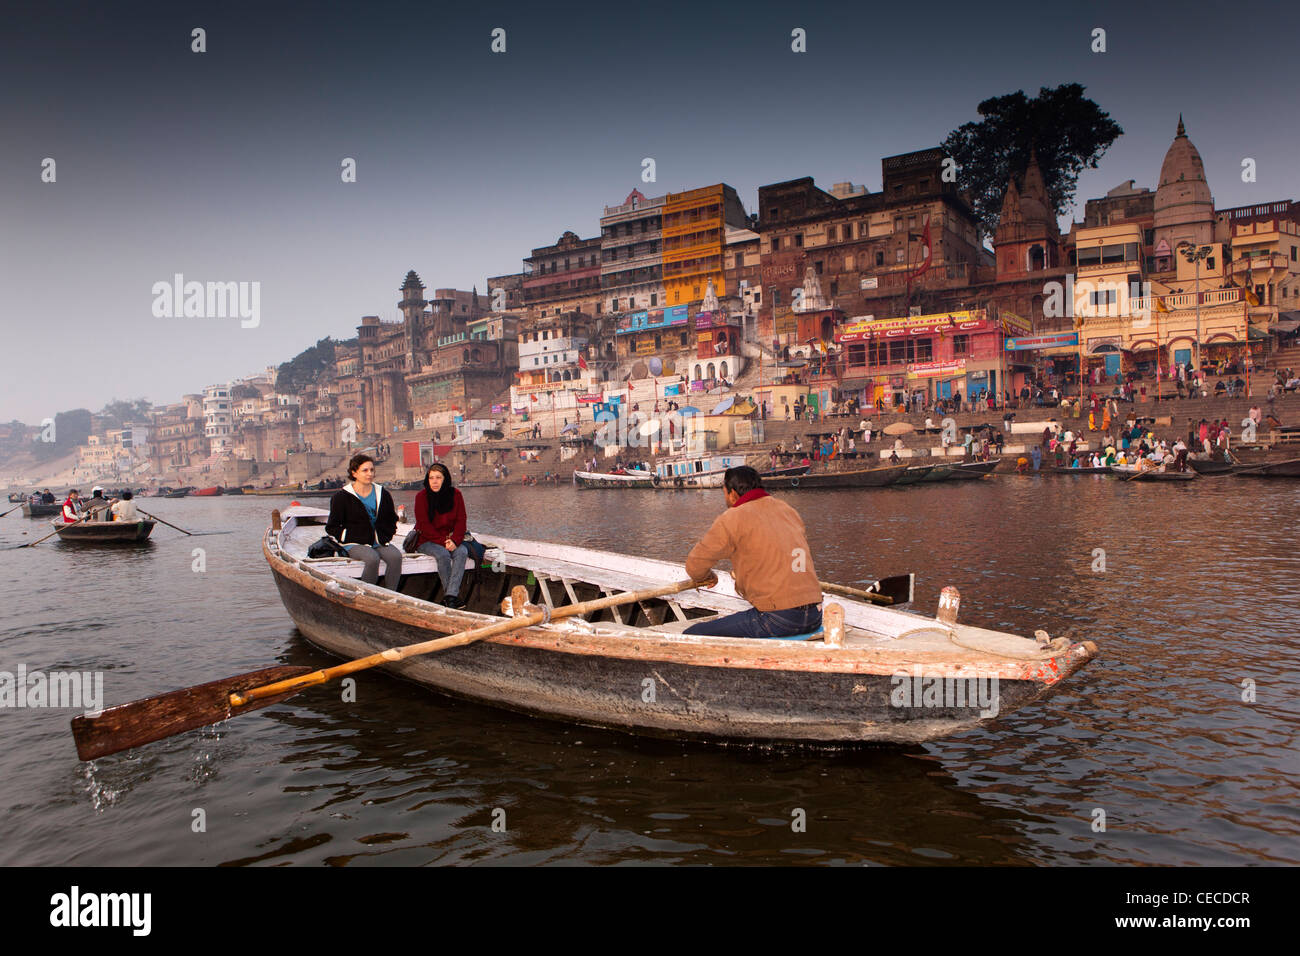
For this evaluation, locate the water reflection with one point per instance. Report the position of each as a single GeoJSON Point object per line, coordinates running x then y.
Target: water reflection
{"type": "Point", "coordinates": [1194, 608]}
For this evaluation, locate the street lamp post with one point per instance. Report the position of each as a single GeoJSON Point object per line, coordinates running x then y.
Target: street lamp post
{"type": "Point", "coordinates": [1194, 254]}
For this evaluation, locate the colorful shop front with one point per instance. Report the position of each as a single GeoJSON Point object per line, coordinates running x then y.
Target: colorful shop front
{"type": "Point", "coordinates": [933, 356]}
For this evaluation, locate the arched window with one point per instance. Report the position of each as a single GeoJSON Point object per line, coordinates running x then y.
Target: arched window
{"type": "Point", "coordinates": [711, 370]}
{"type": "Point", "coordinates": [466, 358]}
{"type": "Point", "coordinates": [722, 370]}
{"type": "Point", "coordinates": [699, 372]}
{"type": "Point", "coordinates": [1035, 259]}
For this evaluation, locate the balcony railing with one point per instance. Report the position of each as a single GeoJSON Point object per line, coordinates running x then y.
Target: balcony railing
{"type": "Point", "coordinates": [1272, 260]}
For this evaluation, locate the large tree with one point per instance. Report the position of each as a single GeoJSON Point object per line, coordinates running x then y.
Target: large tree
{"type": "Point", "coordinates": [1068, 131]}
{"type": "Point", "coordinates": [71, 429]}
{"type": "Point", "coordinates": [117, 412]}
{"type": "Point", "coordinates": [306, 368]}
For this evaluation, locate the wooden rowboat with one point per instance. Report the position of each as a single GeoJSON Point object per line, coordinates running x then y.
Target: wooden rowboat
{"type": "Point", "coordinates": [1100, 470]}
{"type": "Point", "coordinates": [634, 478]}
{"type": "Point", "coordinates": [896, 677]}
{"type": "Point", "coordinates": [40, 510]}
{"type": "Point", "coordinates": [1208, 466]}
{"type": "Point", "coordinates": [208, 492]}
{"type": "Point", "coordinates": [974, 470]}
{"type": "Point", "coordinates": [1289, 468]}
{"type": "Point", "coordinates": [1152, 474]}
{"type": "Point", "coordinates": [914, 474]}
{"type": "Point", "coordinates": [857, 478]}
{"type": "Point", "coordinates": [937, 473]}
{"type": "Point", "coordinates": [106, 532]}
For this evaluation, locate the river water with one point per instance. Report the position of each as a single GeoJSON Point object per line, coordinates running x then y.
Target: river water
{"type": "Point", "coordinates": [1149, 755]}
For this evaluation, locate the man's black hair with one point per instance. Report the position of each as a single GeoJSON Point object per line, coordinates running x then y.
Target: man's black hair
{"type": "Point", "coordinates": [741, 480]}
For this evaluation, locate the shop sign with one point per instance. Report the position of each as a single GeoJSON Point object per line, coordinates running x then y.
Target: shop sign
{"type": "Point", "coordinates": [860, 330]}
{"type": "Point", "coordinates": [1016, 324]}
{"type": "Point", "coordinates": [937, 369]}
{"type": "Point", "coordinates": [1042, 341]}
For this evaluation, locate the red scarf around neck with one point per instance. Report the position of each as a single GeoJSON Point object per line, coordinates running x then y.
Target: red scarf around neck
{"type": "Point", "coordinates": [753, 495]}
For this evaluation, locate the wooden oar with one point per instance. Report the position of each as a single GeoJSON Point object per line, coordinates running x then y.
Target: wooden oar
{"type": "Point", "coordinates": [156, 718]}
{"type": "Point", "coordinates": [899, 587]}
{"type": "Point", "coordinates": [14, 508]}
{"type": "Point", "coordinates": [57, 529]}
{"type": "Point", "coordinates": [167, 523]}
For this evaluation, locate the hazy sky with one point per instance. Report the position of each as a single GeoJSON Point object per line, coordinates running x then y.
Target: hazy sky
{"type": "Point", "coordinates": [225, 165]}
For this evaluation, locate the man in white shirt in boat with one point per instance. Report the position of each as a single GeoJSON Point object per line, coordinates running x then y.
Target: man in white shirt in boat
{"type": "Point", "coordinates": [771, 562]}
{"type": "Point", "coordinates": [124, 508]}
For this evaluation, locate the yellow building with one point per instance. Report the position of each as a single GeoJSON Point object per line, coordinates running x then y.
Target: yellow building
{"type": "Point", "coordinates": [1266, 259]}
{"type": "Point", "coordinates": [694, 236]}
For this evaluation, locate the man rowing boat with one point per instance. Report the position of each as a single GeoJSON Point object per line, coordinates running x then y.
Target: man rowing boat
{"type": "Point", "coordinates": [770, 559]}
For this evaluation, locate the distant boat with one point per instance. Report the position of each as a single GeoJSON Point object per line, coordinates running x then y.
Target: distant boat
{"type": "Point", "coordinates": [1152, 474]}
{"type": "Point", "coordinates": [105, 532]}
{"type": "Point", "coordinates": [1290, 468]}
{"type": "Point", "coordinates": [972, 470]}
{"type": "Point", "coordinates": [208, 492]}
{"type": "Point", "coordinates": [913, 474]}
{"type": "Point", "coordinates": [37, 509]}
{"type": "Point", "coordinates": [1100, 470]}
{"type": "Point", "coordinates": [856, 478]}
{"type": "Point", "coordinates": [178, 493]}
{"type": "Point", "coordinates": [1204, 466]}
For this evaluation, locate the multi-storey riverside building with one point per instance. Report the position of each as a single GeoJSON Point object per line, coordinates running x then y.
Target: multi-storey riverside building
{"type": "Point", "coordinates": [564, 277]}
{"type": "Point", "coordinates": [631, 254]}
{"type": "Point", "coordinates": [694, 235]}
{"type": "Point", "coordinates": [866, 247]}
{"type": "Point", "coordinates": [218, 419]}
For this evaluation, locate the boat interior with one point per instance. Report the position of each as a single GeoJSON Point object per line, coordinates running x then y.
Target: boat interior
{"type": "Point", "coordinates": [557, 575]}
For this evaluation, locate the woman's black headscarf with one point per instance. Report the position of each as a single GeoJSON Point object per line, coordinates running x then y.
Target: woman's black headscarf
{"type": "Point", "coordinates": [444, 499]}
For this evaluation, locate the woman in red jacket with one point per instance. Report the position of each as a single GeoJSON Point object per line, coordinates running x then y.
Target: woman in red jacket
{"type": "Point", "coordinates": [440, 520]}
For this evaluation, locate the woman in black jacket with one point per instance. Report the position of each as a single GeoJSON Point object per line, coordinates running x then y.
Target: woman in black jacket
{"type": "Point", "coordinates": [363, 519]}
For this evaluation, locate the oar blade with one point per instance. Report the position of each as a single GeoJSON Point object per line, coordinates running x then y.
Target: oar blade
{"type": "Point", "coordinates": [166, 715]}
{"type": "Point", "coordinates": [898, 587]}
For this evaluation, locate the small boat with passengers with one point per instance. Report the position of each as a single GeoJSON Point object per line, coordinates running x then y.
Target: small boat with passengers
{"type": "Point", "coordinates": [105, 532]}
{"type": "Point", "coordinates": [38, 509]}
{"type": "Point", "coordinates": [887, 676]}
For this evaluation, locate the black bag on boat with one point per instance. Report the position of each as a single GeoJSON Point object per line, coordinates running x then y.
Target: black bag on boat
{"type": "Point", "coordinates": [477, 549]}
{"type": "Point", "coordinates": [327, 547]}
{"type": "Point", "coordinates": [411, 543]}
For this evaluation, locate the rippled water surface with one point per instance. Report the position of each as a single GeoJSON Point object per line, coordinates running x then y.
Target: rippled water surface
{"type": "Point", "coordinates": [1197, 605]}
